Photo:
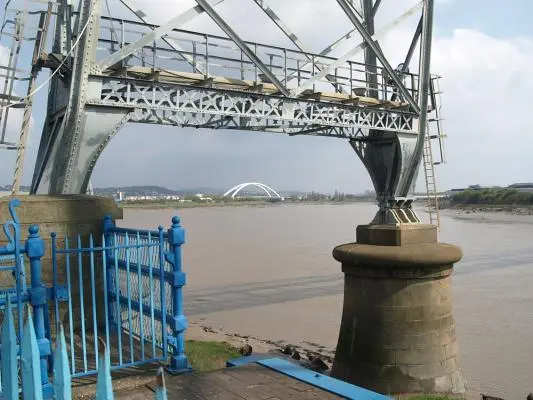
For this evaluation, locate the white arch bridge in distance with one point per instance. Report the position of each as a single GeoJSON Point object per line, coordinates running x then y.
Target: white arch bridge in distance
{"type": "Point", "coordinates": [271, 193]}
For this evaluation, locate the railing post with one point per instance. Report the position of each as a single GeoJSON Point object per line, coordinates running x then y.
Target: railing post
{"type": "Point", "coordinates": [108, 242]}
{"type": "Point", "coordinates": [34, 247]}
{"type": "Point", "coordinates": [179, 323]}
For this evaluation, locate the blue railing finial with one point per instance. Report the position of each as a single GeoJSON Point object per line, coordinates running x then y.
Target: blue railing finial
{"type": "Point", "coordinates": [34, 231]}
{"type": "Point", "coordinates": [34, 244]}
{"type": "Point", "coordinates": [175, 221]}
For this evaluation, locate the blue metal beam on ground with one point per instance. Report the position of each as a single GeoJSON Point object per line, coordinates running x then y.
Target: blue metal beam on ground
{"type": "Point", "coordinates": [237, 362]}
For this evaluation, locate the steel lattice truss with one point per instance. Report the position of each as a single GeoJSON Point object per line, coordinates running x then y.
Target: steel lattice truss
{"type": "Point", "coordinates": [183, 105]}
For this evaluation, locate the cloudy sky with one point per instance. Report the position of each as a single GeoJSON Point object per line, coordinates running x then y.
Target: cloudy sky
{"type": "Point", "coordinates": [482, 48]}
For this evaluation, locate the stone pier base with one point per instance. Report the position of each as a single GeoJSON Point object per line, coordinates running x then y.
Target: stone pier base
{"type": "Point", "coordinates": [397, 332]}
{"type": "Point", "coordinates": [67, 216]}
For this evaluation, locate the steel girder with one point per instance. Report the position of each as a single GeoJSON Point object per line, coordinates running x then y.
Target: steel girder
{"type": "Point", "coordinates": [185, 105]}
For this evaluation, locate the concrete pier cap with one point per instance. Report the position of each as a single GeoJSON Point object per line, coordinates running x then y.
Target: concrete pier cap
{"type": "Point", "coordinates": [397, 332]}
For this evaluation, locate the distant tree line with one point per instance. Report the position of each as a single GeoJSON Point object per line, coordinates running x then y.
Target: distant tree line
{"type": "Point", "coordinates": [492, 197]}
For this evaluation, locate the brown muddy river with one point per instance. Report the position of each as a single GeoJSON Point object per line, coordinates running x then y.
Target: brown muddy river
{"type": "Point", "coordinates": [268, 272]}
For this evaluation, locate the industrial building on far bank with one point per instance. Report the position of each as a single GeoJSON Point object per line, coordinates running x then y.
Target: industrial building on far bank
{"type": "Point", "coordinates": [521, 187]}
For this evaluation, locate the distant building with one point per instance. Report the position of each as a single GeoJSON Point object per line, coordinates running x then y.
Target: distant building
{"type": "Point", "coordinates": [522, 187]}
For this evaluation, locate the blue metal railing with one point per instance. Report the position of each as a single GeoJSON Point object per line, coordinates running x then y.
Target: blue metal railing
{"type": "Point", "coordinates": [11, 254]}
{"type": "Point", "coordinates": [32, 376]}
{"type": "Point", "coordinates": [123, 292]}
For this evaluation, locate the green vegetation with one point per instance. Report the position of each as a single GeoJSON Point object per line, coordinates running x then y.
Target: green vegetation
{"type": "Point", "coordinates": [207, 356]}
{"type": "Point", "coordinates": [492, 197]}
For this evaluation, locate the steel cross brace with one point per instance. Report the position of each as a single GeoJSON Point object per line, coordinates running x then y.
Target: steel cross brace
{"type": "Point", "coordinates": [244, 48]}
{"type": "Point", "coordinates": [361, 46]}
{"type": "Point", "coordinates": [157, 33]}
{"type": "Point", "coordinates": [292, 37]}
{"type": "Point", "coordinates": [348, 10]}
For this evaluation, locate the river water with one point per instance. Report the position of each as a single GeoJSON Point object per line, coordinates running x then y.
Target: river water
{"type": "Point", "coordinates": [268, 272]}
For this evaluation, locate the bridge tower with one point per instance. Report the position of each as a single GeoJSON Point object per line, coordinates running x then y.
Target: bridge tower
{"type": "Point", "coordinates": [109, 71]}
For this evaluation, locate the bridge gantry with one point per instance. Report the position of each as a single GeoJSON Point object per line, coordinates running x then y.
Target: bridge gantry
{"type": "Point", "coordinates": [114, 71]}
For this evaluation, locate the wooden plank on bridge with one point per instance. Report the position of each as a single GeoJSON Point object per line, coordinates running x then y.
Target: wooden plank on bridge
{"type": "Point", "coordinates": [190, 78]}
{"type": "Point", "coordinates": [255, 378]}
{"type": "Point", "coordinates": [247, 382]}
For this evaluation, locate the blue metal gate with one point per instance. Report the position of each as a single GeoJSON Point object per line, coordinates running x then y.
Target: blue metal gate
{"type": "Point", "coordinates": [128, 290]}
{"type": "Point", "coordinates": [123, 287]}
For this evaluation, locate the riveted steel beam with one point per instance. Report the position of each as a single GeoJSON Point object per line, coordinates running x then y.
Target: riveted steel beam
{"type": "Point", "coordinates": [178, 104]}
{"type": "Point", "coordinates": [423, 95]}
{"type": "Point", "coordinates": [370, 56]}
{"type": "Point", "coordinates": [375, 8]}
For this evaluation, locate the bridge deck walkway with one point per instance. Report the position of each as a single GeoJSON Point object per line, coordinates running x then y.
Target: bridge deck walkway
{"type": "Point", "coordinates": [196, 79]}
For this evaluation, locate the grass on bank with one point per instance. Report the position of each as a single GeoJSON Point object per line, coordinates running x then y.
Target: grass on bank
{"type": "Point", "coordinates": [492, 197]}
{"type": "Point", "coordinates": [208, 355]}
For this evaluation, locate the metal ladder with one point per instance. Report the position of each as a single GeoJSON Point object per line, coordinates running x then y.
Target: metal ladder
{"type": "Point", "coordinates": [432, 202]}
{"type": "Point", "coordinates": [434, 132]}
{"type": "Point", "coordinates": [12, 28]}
{"type": "Point", "coordinates": [14, 73]}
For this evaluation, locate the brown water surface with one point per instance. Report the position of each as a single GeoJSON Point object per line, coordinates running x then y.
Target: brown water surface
{"type": "Point", "coordinates": [268, 272]}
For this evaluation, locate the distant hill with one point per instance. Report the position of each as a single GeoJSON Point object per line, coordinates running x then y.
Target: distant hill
{"type": "Point", "coordinates": [153, 190]}
{"type": "Point", "coordinates": [135, 190]}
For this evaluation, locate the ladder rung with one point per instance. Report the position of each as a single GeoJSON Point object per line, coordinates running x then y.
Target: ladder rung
{"type": "Point", "coordinates": [9, 97]}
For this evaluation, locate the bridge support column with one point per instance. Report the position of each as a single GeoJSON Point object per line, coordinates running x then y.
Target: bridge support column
{"type": "Point", "coordinates": [75, 133]}
{"type": "Point", "coordinates": [386, 156]}
{"type": "Point", "coordinates": [397, 332]}
{"type": "Point", "coordinates": [64, 172]}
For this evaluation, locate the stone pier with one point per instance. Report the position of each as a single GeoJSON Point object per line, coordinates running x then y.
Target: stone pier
{"type": "Point", "coordinates": [397, 332]}
{"type": "Point", "coordinates": [67, 216]}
